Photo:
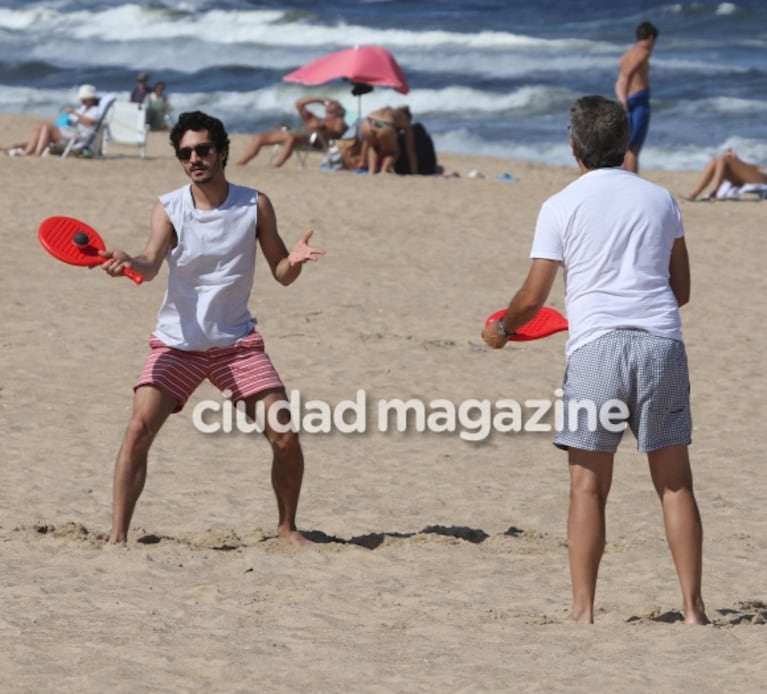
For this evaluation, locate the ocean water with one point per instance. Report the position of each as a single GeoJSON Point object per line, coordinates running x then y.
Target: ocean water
{"type": "Point", "coordinates": [493, 77]}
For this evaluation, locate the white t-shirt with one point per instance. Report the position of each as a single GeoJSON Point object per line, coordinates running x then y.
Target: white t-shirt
{"type": "Point", "coordinates": [85, 131]}
{"type": "Point", "coordinates": [76, 127]}
{"type": "Point", "coordinates": [613, 232]}
{"type": "Point", "coordinates": [210, 271]}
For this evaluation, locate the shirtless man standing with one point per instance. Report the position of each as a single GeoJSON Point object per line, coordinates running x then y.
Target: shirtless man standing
{"type": "Point", "coordinates": [632, 88]}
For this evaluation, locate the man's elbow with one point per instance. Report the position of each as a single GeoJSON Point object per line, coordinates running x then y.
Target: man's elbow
{"type": "Point", "coordinates": [682, 295]}
{"type": "Point", "coordinates": [286, 276]}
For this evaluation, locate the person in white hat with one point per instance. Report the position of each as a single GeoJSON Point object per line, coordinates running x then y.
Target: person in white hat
{"type": "Point", "coordinates": [77, 122]}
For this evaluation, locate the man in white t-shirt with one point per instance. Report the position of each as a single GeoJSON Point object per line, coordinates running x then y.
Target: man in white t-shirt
{"type": "Point", "coordinates": [620, 241]}
{"type": "Point", "coordinates": [208, 232]}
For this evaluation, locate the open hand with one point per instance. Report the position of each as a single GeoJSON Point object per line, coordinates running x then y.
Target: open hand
{"type": "Point", "coordinates": [303, 252]}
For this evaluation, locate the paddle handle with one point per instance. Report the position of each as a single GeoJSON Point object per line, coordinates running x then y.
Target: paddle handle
{"type": "Point", "coordinates": [130, 273]}
{"type": "Point", "coordinates": [133, 275]}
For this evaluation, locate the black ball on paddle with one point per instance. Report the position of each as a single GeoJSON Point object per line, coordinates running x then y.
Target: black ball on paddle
{"type": "Point", "coordinates": [80, 239]}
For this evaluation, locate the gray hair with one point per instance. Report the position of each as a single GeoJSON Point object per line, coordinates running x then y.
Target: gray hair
{"type": "Point", "coordinates": [600, 131]}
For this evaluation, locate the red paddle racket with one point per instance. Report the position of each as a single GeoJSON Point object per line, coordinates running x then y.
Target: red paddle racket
{"type": "Point", "coordinates": [546, 322]}
{"type": "Point", "coordinates": [76, 243]}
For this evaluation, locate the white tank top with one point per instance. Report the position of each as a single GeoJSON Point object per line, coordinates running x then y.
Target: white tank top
{"type": "Point", "coordinates": [210, 271]}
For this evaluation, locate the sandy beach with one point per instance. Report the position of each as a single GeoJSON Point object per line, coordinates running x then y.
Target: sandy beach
{"type": "Point", "coordinates": [440, 564]}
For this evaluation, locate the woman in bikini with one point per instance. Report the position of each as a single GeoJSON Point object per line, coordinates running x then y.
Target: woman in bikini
{"type": "Point", "coordinates": [380, 139]}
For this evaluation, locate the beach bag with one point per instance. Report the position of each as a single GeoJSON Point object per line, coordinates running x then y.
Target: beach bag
{"type": "Point", "coordinates": [63, 121]}
{"type": "Point", "coordinates": [424, 153]}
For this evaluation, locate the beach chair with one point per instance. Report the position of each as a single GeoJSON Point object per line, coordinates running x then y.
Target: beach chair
{"type": "Point", "coordinates": [126, 125]}
{"type": "Point", "coordinates": [316, 144]}
{"type": "Point", "coordinates": [93, 145]}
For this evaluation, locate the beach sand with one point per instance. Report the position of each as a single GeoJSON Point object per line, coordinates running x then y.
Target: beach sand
{"type": "Point", "coordinates": [441, 563]}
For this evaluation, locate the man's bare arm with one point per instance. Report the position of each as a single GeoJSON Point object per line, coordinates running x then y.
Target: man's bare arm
{"type": "Point", "coordinates": [285, 266]}
{"type": "Point", "coordinates": [679, 272]}
{"type": "Point", "coordinates": [149, 261]}
{"type": "Point", "coordinates": [526, 302]}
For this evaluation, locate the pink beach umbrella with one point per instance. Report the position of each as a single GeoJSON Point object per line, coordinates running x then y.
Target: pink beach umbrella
{"type": "Point", "coordinates": [364, 66]}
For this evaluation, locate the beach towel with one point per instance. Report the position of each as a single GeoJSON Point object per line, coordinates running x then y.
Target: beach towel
{"type": "Point", "coordinates": [728, 191]}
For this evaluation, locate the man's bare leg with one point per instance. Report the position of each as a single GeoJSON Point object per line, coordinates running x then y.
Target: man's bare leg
{"type": "Point", "coordinates": [287, 464]}
{"type": "Point", "coordinates": [672, 477]}
{"type": "Point", "coordinates": [590, 480]}
{"type": "Point", "coordinates": [151, 408]}
{"type": "Point", "coordinates": [631, 161]}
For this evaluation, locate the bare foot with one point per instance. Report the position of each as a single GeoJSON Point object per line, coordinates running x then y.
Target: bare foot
{"type": "Point", "coordinates": [696, 614]}
{"type": "Point", "coordinates": [701, 620]}
{"type": "Point", "coordinates": [292, 536]}
{"type": "Point", "coordinates": [581, 618]}
{"type": "Point", "coordinates": [696, 617]}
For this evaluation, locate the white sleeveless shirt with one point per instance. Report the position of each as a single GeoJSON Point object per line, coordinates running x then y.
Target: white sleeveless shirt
{"type": "Point", "coordinates": [210, 271]}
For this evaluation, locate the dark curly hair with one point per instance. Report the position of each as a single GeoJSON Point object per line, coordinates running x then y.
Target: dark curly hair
{"type": "Point", "coordinates": [197, 120]}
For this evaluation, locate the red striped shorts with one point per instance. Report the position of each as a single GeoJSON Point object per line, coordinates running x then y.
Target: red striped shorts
{"type": "Point", "coordinates": [243, 369]}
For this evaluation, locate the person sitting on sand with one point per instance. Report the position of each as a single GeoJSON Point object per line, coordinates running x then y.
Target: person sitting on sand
{"type": "Point", "coordinates": [315, 129]}
{"type": "Point", "coordinates": [727, 167]}
{"type": "Point", "coordinates": [81, 123]}
{"type": "Point", "coordinates": [379, 133]}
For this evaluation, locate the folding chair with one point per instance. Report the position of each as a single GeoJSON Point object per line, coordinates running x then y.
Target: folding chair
{"type": "Point", "coordinates": [92, 146]}
{"type": "Point", "coordinates": [316, 144]}
{"type": "Point", "coordinates": [127, 125]}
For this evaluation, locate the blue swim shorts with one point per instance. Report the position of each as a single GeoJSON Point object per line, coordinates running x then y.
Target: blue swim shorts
{"type": "Point", "coordinates": [639, 117]}
{"type": "Point", "coordinates": [646, 373]}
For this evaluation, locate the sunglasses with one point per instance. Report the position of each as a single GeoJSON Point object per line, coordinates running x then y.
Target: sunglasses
{"type": "Point", "coordinates": [380, 124]}
{"type": "Point", "coordinates": [201, 150]}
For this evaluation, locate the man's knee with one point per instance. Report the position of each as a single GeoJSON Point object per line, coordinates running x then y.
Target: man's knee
{"type": "Point", "coordinates": [670, 468]}
{"type": "Point", "coordinates": [285, 444]}
{"type": "Point", "coordinates": [138, 433]}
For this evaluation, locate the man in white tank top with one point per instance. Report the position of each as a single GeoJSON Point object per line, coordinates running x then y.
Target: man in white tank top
{"type": "Point", "coordinates": [208, 232]}
{"type": "Point", "coordinates": [620, 241]}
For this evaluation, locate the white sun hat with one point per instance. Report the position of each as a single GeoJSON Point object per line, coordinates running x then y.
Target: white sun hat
{"type": "Point", "coordinates": [87, 91]}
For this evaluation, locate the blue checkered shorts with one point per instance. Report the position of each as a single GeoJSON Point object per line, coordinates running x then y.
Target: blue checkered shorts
{"type": "Point", "coordinates": [640, 380]}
